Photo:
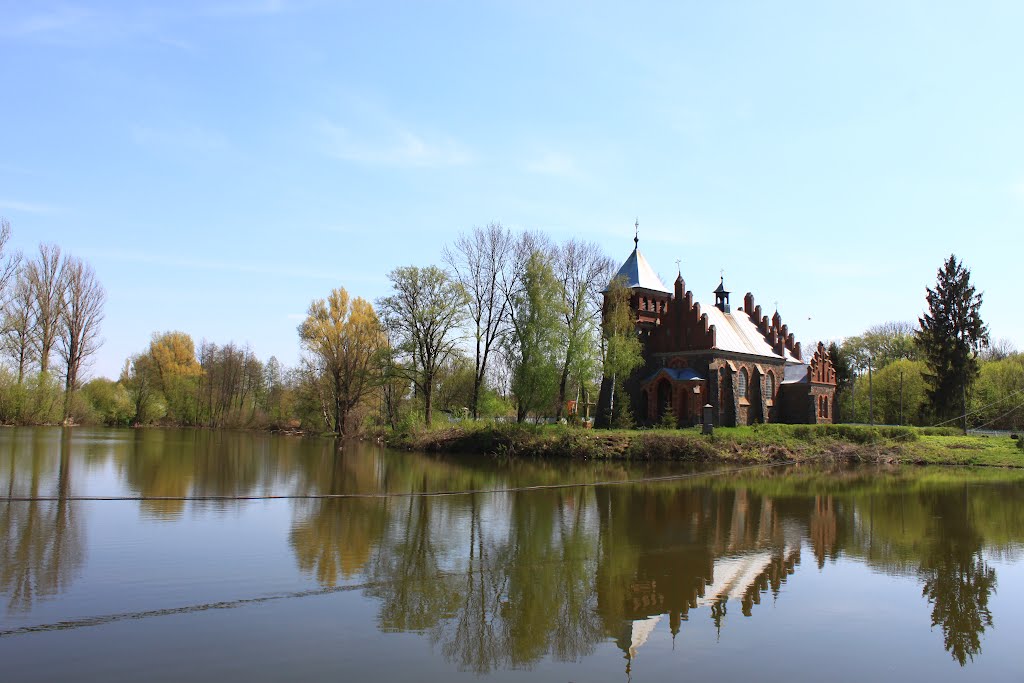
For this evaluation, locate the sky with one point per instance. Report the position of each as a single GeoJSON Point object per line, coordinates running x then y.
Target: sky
{"type": "Point", "coordinates": [222, 164]}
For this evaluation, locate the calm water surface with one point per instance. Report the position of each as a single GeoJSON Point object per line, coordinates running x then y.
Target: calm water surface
{"type": "Point", "coordinates": [840, 574]}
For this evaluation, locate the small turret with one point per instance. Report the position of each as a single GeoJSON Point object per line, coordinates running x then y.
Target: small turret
{"type": "Point", "coordinates": [722, 297]}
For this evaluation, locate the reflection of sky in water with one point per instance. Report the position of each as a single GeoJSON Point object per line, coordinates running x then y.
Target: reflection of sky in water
{"type": "Point", "coordinates": [653, 577]}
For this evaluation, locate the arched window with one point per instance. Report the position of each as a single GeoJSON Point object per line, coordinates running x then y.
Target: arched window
{"type": "Point", "coordinates": [824, 402]}
{"type": "Point", "coordinates": [743, 383]}
{"type": "Point", "coordinates": [769, 382]}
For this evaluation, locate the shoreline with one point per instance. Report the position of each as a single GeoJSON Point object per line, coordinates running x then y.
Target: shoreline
{"type": "Point", "coordinates": [754, 444]}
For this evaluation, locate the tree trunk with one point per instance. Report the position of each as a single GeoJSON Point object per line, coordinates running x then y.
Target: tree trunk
{"type": "Point", "coordinates": [428, 394]}
{"type": "Point", "coordinates": [476, 380]}
{"type": "Point", "coordinates": [562, 384]}
{"type": "Point", "coordinates": [339, 425]}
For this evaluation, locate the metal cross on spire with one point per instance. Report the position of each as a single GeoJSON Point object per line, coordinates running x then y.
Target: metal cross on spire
{"type": "Point", "coordinates": [679, 269]}
{"type": "Point", "coordinates": [636, 235]}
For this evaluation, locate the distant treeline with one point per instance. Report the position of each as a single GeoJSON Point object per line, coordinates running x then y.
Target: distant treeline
{"type": "Point", "coordinates": [514, 325]}
{"type": "Point", "coordinates": [897, 390]}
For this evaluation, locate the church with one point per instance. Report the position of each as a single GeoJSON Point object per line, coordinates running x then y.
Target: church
{"type": "Point", "coordinates": [748, 368]}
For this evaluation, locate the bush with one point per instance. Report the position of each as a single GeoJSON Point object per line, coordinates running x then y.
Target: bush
{"type": "Point", "coordinates": [110, 402]}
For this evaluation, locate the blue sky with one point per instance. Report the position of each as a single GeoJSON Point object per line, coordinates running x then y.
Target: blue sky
{"type": "Point", "coordinates": [222, 164]}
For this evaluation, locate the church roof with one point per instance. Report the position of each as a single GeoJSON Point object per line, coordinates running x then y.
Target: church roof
{"type": "Point", "coordinates": [639, 274]}
{"type": "Point", "coordinates": [737, 333]}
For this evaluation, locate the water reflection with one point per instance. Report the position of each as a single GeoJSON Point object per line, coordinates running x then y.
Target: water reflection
{"type": "Point", "coordinates": [502, 580]}
{"type": "Point", "coordinates": [42, 544]}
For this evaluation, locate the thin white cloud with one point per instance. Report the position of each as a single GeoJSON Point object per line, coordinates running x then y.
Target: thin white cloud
{"type": "Point", "coordinates": [397, 146]}
{"type": "Point", "coordinates": [214, 265]}
{"type": "Point", "coordinates": [25, 207]}
{"type": "Point", "coordinates": [553, 164]}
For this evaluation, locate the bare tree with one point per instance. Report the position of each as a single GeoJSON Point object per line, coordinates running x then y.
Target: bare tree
{"type": "Point", "coordinates": [999, 349]}
{"type": "Point", "coordinates": [423, 315]}
{"type": "Point", "coordinates": [80, 318]}
{"type": "Point", "coordinates": [19, 327]}
{"type": "Point", "coordinates": [583, 271]}
{"type": "Point", "coordinates": [9, 263]}
{"type": "Point", "coordinates": [46, 279]}
{"type": "Point", "coordinates": [478, 260]}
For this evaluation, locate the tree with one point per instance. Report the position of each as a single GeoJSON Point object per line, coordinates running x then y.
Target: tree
{"type": "Point", "coordinates": [423, 316]}
{"type": "Point", "coordinates": [623, 352]}
{"type": "Point", "coordinates": [478, 260]}
{"type": "Point", "coordinates": [882, 344]}
{"type": "Point", "coordinates": [19, 325]}
{"type": "Point", "coordinates": [346, 340]}
{"type": "Point", "coordinates": [582, 270]}
{"type": "Point", "coordinates": [80, 320]}
{"type": "Point", "coordinates": [534, 342]}
{"type": "Point", "coordinates": [899, 394]}
{"type": "Point", "coordinates": [9, 263]}
{"type": "Point", "coordinates": [176, 373]}
{"type": "Point", "coordinates": [841, 361]}
{"type": "Point", "coordinates": [950, 337]}
{"type": "Point", "coordinates": [46, 280]}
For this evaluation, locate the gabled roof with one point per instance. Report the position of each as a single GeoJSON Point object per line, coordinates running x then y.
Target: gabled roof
{"type": "Point", "coordinates": [639, 274]}
{"type": "Point", "coordinates": [736, 333]}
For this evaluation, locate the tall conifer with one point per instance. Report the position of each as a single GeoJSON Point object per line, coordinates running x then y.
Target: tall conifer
{"type": "Point", "coordinates": [950, 337]}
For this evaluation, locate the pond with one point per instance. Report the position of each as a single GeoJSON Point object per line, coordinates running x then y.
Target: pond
{"type": "Point", "coordinates": [135, 558]}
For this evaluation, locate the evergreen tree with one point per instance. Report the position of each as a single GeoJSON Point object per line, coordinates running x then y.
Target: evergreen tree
{"type": "Point", "coordinates": [950, 337]}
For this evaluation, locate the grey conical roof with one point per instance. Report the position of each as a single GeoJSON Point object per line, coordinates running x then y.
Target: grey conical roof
{"type": "Point", "coordinates": [639, 274]}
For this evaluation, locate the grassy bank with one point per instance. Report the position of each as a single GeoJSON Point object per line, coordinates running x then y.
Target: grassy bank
{"type": "Point", "coordinates": [759, 443]}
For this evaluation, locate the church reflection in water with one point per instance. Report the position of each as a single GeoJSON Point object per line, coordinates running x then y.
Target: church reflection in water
{"type": "Point", "coordinates": [500, 580]}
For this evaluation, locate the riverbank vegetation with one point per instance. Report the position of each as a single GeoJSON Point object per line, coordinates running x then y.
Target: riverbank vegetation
{"type": "Point", "coordinates": [510, 328]}
{"type": "Point", "coordinates": [753, 444]}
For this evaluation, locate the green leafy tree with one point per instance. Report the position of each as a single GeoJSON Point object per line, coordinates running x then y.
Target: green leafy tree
{"type": "Point", "coordinates": [623, 352]}
{"type": "Point", "coordinates": [346, 340]}
{"type": "Point", "coordinates": [422, 317]}
{"type": "Point", "coordinates": [997, 391]}
{"type": "Point", "coordinates": [581, 269]}
{"type": "Point", "coordinates": [900, 394]}
{"type": "Point", "coordinates": [534, 344]}
{"type": "Point", "coordinates": [951, 335]}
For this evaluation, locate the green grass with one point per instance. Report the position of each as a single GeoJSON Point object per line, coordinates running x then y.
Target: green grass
{"type": "Point", "coordinates": [757, 443]}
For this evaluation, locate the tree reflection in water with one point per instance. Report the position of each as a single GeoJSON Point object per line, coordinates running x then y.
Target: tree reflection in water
{"type": "Point", "coordinates": [502, 580]}
{"type": "Point", "coordinates": [957, 580]}
{"type": "Point", "coordinates": [42, 545]}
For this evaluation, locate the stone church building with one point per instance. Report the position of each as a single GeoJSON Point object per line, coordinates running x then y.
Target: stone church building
{"type": "Point", "coordinates": [748, 367]}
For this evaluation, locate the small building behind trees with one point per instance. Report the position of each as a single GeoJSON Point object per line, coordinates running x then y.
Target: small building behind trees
{"type": "Point", "coordinates": [748, 367]}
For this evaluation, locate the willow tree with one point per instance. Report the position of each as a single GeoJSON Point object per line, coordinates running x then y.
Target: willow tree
{"type": "Point", "coordinates": [423, 317]}
{"type": "Point", "coordinates": [345, 338]}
